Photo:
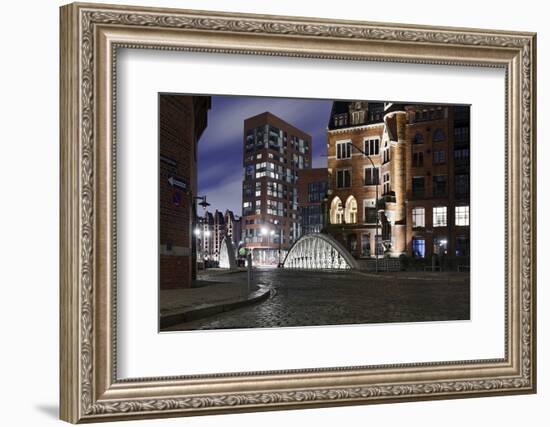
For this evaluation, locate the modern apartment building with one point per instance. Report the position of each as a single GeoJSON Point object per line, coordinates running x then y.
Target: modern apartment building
{"type": "Point", "coordinates": [399, 179]}
{"type": "Point", "coordinates": [274, 153]}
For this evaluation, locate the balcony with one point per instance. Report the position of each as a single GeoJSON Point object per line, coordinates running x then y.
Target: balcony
{"type": "Point", "coordinates": [386, 198]}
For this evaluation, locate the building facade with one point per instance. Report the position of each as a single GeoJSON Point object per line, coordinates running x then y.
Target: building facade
{"type": "Point", "coordinates": [210, 231]}
{"type": "Point", "coordinates": [274, 153]}
{"type": "Point", "coordinates": [312, 199]}
{"type": "Point", "coordinates": [217, 235]}
{"type": "Point", "coordinates": [182, 120]}
{"type": "Point", "coordinates": [399, 179]}
{"type": "Point", "coordinates": [204, 235]}
{"type": "Point", "coordinates": [233, 228]}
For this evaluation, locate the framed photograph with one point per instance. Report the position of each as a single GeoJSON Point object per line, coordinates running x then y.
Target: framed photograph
{"type": "Point", "coordinates": [267, 212]}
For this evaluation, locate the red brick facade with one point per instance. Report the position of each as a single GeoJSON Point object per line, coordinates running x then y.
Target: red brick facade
{"type": "Point", "coordinates": [182, 119]}
{"type": "Point", "coordinates": [416, 154]}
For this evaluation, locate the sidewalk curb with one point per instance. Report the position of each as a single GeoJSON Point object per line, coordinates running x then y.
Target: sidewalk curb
{"type": "Point", "coordinates": [221, 273]}
{"type": "Point", "coordinates": [207, 310]}
{"type": "Point", "coordinates": [390, 276]}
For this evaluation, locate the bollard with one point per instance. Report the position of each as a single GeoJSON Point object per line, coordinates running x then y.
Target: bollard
{"type": "Point", "coordinates": [249, 270]}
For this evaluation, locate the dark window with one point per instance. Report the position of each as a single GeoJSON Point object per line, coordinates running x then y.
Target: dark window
{"type": "Point", "coordinates": [316, 191]}
{"type": "Point", "coordinates": [418, 138]}
{"type": "Point", "coordinates": [462, 247]}
{"type": "Point", "coordinates": [343, 178]}
{"type": "Point", "coordinates": [386, 156]}
{"type": "Point", "coordinates": [343, 150]}
{"type": "Point", "coordinates": [371, 215]}
{"type": "Point", "coordinates": [462, 185]}
{"type": "Point", "coordinates": [365, 245]}
{"type": "Point", "coordinates": [439, 157]}
{"type": "Point", "coordinates": [462, 155]}
{"type": "Point", "coordinates": [439, 135]}
{"type": "Point", "coordinates": [371, 147]}
{"type": "Point", "coordinates": [386, 183]}
{"type": "Point", "coordinates": [462, 135]}
{"type": "Point", "coordinates": [439, 185]}
{"type": "Point", "coordinates": [312, 220]}
{"type": "Point", "coordinates": [372, 176]}
{"type": "Point", "coordinates": [418, 186]}
{"type": "Point", "coordinates": [418, 159]}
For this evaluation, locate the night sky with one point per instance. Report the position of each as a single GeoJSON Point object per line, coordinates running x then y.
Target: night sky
{"type": "Point", "coordinates": [220, 164]}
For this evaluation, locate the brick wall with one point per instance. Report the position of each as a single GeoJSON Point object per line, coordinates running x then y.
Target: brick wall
{"type": "Point", "coordinates": [181, 122]}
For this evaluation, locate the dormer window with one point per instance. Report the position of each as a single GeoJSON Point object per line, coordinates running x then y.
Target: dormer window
{"type": "Point", "coordinates": [357, 117]}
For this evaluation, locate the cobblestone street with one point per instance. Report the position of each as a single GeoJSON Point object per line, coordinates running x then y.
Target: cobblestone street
{"type": "Point", "coordinates": [306, 298]}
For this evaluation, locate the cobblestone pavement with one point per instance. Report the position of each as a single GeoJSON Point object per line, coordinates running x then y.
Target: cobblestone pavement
{"type": "Point", "coordinates": [306, 298]}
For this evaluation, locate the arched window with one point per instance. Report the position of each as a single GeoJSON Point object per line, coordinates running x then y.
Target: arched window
{"type": "Point", "coordinates": [336, 211]}
{"type": "Point", "coordinates": [418, 139]}
{"type": "Point", "coordinates": [350, 213]}
{"type": "Point", "coordinates": [439, 135]}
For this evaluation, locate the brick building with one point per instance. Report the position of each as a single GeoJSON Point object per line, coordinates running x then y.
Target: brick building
{"type": "Point", "coordinates": [182, 119]}
{"type": "Point", "coordinates": [411, 190]}
{"type": "Point", "coordinates": [274, 152]}
{"type": "Point", "coordinates": [312, 193]}
{"type": "Point", "coordinates": [210, 231]}
{"type": "Point", "coordinates": [233, 228]}
{"type": "Point", "coordinates": [204, 235]}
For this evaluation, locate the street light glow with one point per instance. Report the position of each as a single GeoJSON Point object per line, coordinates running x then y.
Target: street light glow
{"type": "Point", "coordinates": [207, 233]}
{"type": "Point", "coordinates": [263, 231]}
{"type": "Point", "coordinates": [197, 231]}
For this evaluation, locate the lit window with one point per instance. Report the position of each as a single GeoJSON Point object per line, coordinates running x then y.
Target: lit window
{"type": "Point", "coordinates": [336, 211]}
{"type": "Point", "coordinates": [462, 215]}
{"type": "Point", "coordinates": [351, 210]}
{"type": "Point", "coordinates": [419, 248]}
{"type": "Point", "coordinates": [440, 216]}
{"type": "Point", "coordinates": [418, 217]}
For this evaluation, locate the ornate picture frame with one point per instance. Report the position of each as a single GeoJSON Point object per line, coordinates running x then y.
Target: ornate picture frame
{"type": "Point", "coordinates": [90, 37]}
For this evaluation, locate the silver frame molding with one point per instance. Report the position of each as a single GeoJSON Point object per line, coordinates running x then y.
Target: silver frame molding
{"type": "Point", "coordinates": [90, 37]}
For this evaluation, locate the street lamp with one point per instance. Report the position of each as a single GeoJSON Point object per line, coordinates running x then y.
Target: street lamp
{"type": "Point", "coordinates": [199, 234]}
{"type": "Point", "coordinates": [377, 182]}
{"type": "Point", "coordinates": [204, 204]}
{"type": "Point", "coordinates": [264, 231]}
